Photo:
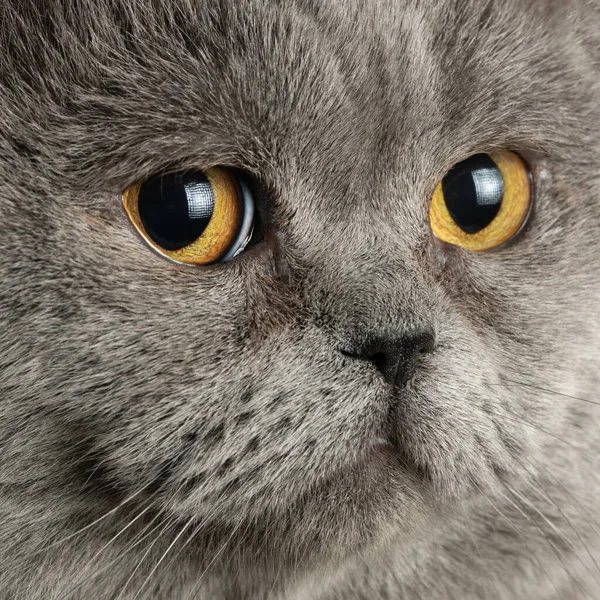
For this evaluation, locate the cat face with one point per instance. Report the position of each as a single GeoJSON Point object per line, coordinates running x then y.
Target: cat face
{"type": "Point", "coordinates": [241, 393]}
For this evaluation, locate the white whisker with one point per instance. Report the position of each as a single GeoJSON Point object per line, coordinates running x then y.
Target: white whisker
{"type": "Point", "coordinates": [519, 532]}
{"type": "Point", "coordinates": [548, 391]}
{"type": "Point", "coordinates": [96, 521]}
{"type": "Point", "coordinates": [144, 556]}
{"type": "Point", "coordinates": [145, 582]}
{"type": "Point", "coordinates": [196, 587]}
{"type": "Point", "coordinates": [138, 539]}
{"type": "Point", "coordinates": [559, 533]}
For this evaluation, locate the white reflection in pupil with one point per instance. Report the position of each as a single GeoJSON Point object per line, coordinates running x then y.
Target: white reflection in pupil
{"type": "Point", "coordinates": [200, 198]}
{"type": "Point", "coordinates": [489, 186]}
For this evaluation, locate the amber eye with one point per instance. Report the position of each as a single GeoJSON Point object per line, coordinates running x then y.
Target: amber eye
{"type": "Point", "coordinates": [482, 202]}
{"type": "Point", "coordinates": [193, 217]}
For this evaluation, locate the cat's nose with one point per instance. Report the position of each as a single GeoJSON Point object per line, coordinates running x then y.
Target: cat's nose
{"type": "Point", "coordinates": [395, 356]}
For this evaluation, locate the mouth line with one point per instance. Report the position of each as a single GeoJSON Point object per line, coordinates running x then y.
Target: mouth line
{"type": "Point", "coordinates": [389, 444]}
{"type": "Point", "coordinates": [374, 451]}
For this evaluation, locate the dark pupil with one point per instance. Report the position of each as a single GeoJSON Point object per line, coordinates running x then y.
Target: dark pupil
{"type": "Point", "coordinates": [175, 209]}
{"type": "Point", "coordinates": [473, 192]}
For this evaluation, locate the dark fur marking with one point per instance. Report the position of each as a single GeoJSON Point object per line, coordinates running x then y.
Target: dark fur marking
{"type": "Point", "coordinates": [253, 444]}
{"type": "Point", "coordinates": [214, 435]}
{"type": "Point", "coordinates": [244, 417]}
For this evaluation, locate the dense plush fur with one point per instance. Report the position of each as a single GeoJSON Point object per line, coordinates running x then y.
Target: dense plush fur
{"type": "Point", "coordinates": [170, 432]}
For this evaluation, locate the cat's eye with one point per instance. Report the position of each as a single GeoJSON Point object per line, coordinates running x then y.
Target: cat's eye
{"type": "Point", "coordinates": [482, 202]}
{"type": "Point", "coordinates": [193, 217]}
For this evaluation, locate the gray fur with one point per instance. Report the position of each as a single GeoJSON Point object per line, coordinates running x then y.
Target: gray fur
{"type": "Point", "coordinates": [218, 396]}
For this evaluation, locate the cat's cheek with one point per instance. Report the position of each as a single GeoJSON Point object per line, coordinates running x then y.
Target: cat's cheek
{"type": "Point", "coordinates": [358, 509]}
{"type": "Point", "coordinates": [456, 421]}
{"type": "Point", "coordinates": [304, 423]}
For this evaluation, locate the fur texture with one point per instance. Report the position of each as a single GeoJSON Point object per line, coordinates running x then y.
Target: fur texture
{"type": "Point", "coordinates": [169, 432]}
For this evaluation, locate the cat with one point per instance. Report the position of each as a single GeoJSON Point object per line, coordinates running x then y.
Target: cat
{"type": "Point", "coordinates": [350, 406]}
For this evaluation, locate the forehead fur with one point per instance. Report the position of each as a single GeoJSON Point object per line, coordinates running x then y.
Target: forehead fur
{"type": "Point", "coordinates": [106, 92]}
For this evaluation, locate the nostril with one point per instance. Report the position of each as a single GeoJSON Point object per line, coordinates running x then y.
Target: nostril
{"type": "Point", "coordinates": [379, 359]}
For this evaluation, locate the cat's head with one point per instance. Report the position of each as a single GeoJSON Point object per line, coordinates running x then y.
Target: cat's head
{"type": "Point", "coordinates": [262, 391]}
